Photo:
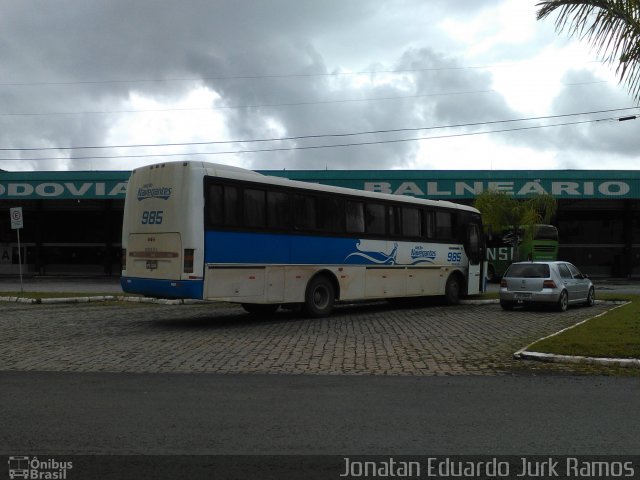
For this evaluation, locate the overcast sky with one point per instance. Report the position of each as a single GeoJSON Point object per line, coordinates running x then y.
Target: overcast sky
{"type": "Point", "coordinates": [115, 73]}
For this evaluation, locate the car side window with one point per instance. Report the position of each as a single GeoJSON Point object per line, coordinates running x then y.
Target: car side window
{"type": "Point", "coordinates": [564, 271]}
{"type": "Point", "coordinates": [574, 271]}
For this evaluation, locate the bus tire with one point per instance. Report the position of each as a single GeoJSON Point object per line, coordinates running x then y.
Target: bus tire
{"type": "Point", "coordinates": [260, 308]}
{"type": "Point", "coordinates": [453, 289]}
{"type": "Point", "coordinates": [319, 297]}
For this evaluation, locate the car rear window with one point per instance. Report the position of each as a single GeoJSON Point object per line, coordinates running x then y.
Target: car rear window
{"type": "Point", "coordinates": [528, 270]}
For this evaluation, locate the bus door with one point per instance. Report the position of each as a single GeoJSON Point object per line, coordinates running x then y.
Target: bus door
{"type": "Point", "coordinates": [476, 270]}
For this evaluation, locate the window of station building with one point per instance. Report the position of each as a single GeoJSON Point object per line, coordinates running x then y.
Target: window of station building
{"type": "Point", "coordinates": [375, 219]}
{"type": "Point", "coordinates": [254, 212]}
{"type": "Point", "coordinates": [330, 214]}
{"type": "Point", "coordinates": [444, 224]}
{"type": "Point", "coordinates": [278, 213]}
{"type": "Point", "coordinates": [411, 222]}
{"type": "Point", "coordinates": [304, 212]}
{"type": "Point", "coordinates": [354, 212]}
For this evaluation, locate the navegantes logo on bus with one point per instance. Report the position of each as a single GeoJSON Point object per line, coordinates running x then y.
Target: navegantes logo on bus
{"type": "Point", "coordinates": [149, 191]}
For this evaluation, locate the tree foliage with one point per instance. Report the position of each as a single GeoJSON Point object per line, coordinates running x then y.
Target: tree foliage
{"type": "Point", "coordinates": [611, 26]}
{"type": "Point", "coordinates": [501, 212]}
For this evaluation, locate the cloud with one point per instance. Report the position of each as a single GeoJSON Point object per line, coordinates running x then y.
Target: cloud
{"type": "Point", "coordinates": [72, 74]}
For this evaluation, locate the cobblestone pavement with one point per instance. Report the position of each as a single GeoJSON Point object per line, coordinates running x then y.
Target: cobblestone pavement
{"type": "Point", "coordinates": [358, 339]}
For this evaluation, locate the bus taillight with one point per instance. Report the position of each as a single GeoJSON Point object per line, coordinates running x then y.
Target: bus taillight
{"type": "Point", "coordinates": [124, 259]}
{"type": "Point", "coordinates": [188, 260]}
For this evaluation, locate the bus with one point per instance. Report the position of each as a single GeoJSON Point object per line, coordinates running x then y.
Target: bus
{"type": "Point", "coordinates": [196, 230]}
{"type": "Point", "coordinates": [535, 242]}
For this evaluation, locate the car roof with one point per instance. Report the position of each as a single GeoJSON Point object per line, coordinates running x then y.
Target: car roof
{"type": "Point", "coordinates": [540, 262]}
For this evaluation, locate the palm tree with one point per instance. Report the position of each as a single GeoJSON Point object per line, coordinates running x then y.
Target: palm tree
{"type": "Point", "coordinates": [612, 26]}
{"type": "Point", "coordinates": [502, 212]}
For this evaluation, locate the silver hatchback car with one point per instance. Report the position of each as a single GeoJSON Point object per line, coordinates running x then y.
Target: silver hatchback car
{"type": "Point", "coordinates": [552, 283]}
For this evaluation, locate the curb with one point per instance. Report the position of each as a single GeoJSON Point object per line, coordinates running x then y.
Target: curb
{"type": "Point", "coordinates": [525, 354]}
{"type": "Point", "coordinates": [100, 298]}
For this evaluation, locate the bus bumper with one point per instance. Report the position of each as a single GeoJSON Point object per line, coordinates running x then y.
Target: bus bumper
{"type": "Point", "coordinates": [163, 288]}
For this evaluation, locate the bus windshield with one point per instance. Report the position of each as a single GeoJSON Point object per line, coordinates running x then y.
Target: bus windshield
{"type": "Point", "coordinates": [546, 232]}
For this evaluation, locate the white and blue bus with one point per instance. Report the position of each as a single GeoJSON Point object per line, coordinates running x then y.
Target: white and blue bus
{"type": "Point", "coordinates": [208, 231]}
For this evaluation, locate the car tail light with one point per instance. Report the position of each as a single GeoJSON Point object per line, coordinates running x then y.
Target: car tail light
{"type": "Point", "coordinates": [503, 283]}
{"type": "Point", "coordinates": [188, 260]}
{"type": "Point", "coordinates": [549, 284]}
{"type": "Point", "coordinates": [124, 259]}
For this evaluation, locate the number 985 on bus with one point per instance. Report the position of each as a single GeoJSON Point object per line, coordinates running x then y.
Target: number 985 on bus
{"type": "Point", "coordinates": [152, 217]}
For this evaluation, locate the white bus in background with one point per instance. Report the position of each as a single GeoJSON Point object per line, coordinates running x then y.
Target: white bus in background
{"type": "Point", "coordinates": [208, 231]}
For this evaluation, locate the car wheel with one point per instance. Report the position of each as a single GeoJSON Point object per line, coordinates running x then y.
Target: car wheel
{"type": "Point", "coordinates": [506, 305]}
{"type": "Point", "coordinates": [319, 297]}
{"type": "Point", "coordinates": [452, 290]}
{"type": "Point", "coordinates": [591, 297]}
{"type": "Point", "coordinates": [563, 302]}
{"type": "Point", "coordinates": [260, 309]}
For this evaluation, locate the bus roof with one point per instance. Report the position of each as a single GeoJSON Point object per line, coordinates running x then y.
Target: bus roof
{"type": "Point", "coordinates": [238, 173]}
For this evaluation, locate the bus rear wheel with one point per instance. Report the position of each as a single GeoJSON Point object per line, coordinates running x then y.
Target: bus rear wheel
{"type": "Point", "coordinates": [260, 308]}
{"type": "Point", "coordinates": [319, 297]}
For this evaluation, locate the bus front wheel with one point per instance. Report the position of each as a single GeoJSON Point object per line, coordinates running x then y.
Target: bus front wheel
{"type": "Point", "coordinates": [319, 297]}
{"type": "Point", "coordinates": [452, 289]}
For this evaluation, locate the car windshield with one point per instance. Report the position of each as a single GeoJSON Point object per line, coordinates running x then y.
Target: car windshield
{"type": "Point", "coordinates": [528, 270]}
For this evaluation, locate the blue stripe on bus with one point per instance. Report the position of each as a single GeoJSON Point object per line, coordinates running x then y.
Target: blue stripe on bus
{"type": "Point", "coordinates": [163, 288]}
{"type": "Point", "coordinates": [265, 248]}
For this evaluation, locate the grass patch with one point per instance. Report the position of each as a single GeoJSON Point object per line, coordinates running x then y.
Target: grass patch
{"type": "Point", "coordinates": [616, 334]}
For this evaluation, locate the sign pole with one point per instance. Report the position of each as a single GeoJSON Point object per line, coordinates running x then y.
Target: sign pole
{"type": "Point", "coordinates": [20, 261]}
{"type": "Point", "coordinates": [17, 223]}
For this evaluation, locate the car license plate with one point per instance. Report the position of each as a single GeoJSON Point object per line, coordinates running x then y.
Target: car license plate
{"type": "Point", "coordinates": [522, 296]}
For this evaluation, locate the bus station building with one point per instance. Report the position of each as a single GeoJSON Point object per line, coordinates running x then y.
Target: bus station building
{"type": "Point", "coordinates": [72, 220]}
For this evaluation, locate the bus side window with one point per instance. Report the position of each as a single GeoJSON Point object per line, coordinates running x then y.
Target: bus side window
{"type": "Point", "coordinates": [375, 219]}
{"type": "Point", "coordinates": [395, 227]}
{"type": "Point", "coordinates": [222, 205]}
{"type": "Point", "coordinates": [429, 224]}
{"type": "Point", "coordinates": [278, 215]}
{"type": "Point", "coordinates": [215, 205]}
{"type": "Point", "coordinates": [444, 225]}
{"type": "Point", "coordinates": [411, 222]}
{"type": "Point", "coordinates": [354, 216]}
{"type": "Point", "coordinates": [231, 210]}
{"type": "Point", "coordinates": [304, 210]}
{"type": "Point", "coordinates": [254, 208]}
{"type": "Point", "coordinates": [331, 214]}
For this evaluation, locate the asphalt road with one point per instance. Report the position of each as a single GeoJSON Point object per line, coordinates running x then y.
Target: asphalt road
{"type": "Point", "coordinates": [202, 414]}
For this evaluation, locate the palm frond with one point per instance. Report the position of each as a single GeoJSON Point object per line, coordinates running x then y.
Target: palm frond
{"type": "Point", "coordinates": [611, 26]}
